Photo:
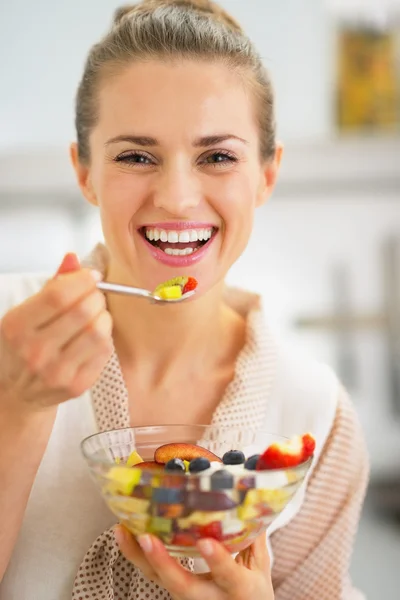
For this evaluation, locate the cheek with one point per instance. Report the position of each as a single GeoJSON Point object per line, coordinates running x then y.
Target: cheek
{"type": "Point", "coordinates": [120, 195]}
{"type": "Point", "coordinates": [238, 204]}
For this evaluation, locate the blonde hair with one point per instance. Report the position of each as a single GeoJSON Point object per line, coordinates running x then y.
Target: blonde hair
{"type": "Point", "coordinates": [168, 29]}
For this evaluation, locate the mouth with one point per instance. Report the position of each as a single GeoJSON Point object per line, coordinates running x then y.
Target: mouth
{"type": "Point", "coordinates": [181, 243]}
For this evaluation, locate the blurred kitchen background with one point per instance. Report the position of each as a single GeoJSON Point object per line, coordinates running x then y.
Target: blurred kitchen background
{"type": "Point", "coordinates": [326, 250]}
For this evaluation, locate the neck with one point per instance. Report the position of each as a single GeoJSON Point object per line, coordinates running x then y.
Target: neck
{"type": "Point", "coordinates": [163, 339]}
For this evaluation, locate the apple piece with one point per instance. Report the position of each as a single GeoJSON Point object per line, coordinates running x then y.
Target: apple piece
{"type": "Point", "coordinates": [183, 451]}
{"type": "Point", "coordinates": [137, 526]}
{"type": "Point", "coordinates": [135, 506]}
{"type": "Point", "coordinates": [184, 283]}
{"type": "Point", "coordinates": [134, 459]}
{"type": "Point", "coordinates": [199, 518]}
{"type": "Point", "coordinates": [232, 528]}
{"type": "Point", "coordinates": [151, 464]}
{"type": "Point", "coordinates": [276, 500]}
{"type": "Point", "coordinates": [123, 480]}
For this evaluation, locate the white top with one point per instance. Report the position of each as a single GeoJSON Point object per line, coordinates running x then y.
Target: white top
{"type": "Point", "coordinates": [65, 512]}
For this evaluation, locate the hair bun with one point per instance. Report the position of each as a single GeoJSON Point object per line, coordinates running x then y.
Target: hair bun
{"type": "Point", "coordinates": [203, 6]}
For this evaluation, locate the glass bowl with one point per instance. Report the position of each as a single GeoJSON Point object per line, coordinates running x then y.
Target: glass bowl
{"type": "Point", "coordinates": [181, 508]}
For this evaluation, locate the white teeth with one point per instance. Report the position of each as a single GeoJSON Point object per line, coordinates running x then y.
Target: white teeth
{"type": "Point", "coordinates": [176, 252]}
{"type": "Point", "coordinates": [173, 237]}
{"type": "Point", "coordinates": [184, 237]}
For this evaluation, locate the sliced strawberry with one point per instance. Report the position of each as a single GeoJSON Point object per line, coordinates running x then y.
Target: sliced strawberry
{"type": "Point", "coordinates": [190, 285]}
{"type": "Point", "coordinates": [183, 539]}
{"type": "Point", "coordinates": [308, 446]}
{"type": "Point", "coordinates": [282, 455]}
{"type": "Point", "coordinates": [212, 530]}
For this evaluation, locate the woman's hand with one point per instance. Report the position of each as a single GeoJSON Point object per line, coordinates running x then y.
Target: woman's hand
{"type": "Point", "coordinates": [247, 577]}
{"type": "Point", "coordinates": [54, 345]}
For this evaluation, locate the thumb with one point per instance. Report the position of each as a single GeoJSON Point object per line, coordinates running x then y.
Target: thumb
{"type": "Point", "coordinates": [69, 263]}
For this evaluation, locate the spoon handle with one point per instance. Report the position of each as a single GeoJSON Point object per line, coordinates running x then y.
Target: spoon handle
{"type": "Point", "coordinates": [118, 288]}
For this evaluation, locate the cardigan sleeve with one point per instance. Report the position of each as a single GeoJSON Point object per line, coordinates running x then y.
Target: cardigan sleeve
{"type": "Point", "coordinates": [312, 553]}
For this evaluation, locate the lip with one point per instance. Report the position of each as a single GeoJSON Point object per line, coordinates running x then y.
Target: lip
{"type": "Point", "coordinates": [179, 261]}
{"type": "Point", "coordinates": [179, 225]}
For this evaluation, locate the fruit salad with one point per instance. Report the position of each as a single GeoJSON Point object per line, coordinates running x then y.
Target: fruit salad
{"type": "Point", "coordinates": [175, 288]}
{"type": "Point", "coordinates": [186, 492]}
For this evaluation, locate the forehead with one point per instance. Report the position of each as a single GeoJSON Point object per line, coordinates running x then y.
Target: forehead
{"type": "Point", "coordinates": [192, 97]}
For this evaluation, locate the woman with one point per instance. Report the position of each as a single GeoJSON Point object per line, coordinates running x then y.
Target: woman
{"type": "Point", "coordinates": [176, 147]}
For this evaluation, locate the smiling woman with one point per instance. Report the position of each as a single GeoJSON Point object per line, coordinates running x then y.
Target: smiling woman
{"type": "Point", "coordinates": [176, 147]}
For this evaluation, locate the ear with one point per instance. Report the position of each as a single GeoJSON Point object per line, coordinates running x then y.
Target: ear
{"type": "Point", "coordinates": [269, 176]}
{"type": "Point", "coordinates": [82, 173]}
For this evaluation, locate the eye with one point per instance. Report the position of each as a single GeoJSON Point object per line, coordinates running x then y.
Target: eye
{"type": "Point", "coordinates": [220, 159]}
{"type": "Point", "coordinates": [135, 159]}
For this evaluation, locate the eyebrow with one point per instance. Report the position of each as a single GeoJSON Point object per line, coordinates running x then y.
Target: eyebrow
{"type": "Point", "coordinates": [203, 142]}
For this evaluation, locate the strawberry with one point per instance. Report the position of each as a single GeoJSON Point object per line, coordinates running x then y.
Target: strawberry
{"type": "Point", "coordinates": [308, 446]}
{"type": "Point", "coordinates": [190, 285]}
{"type": "Point", "coordinates": [283, 455]}
{"type": "Point", "coordinates": [212, 530]}
{"type": "Point", "coordinates": [183, 539]}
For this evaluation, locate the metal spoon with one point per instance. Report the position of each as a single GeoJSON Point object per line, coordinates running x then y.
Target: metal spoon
{"type": "Point", "coordinates": [118, 288]}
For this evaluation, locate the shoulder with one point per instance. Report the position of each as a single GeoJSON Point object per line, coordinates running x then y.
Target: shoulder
{"type": "Point", "coordinates": [15, 288]}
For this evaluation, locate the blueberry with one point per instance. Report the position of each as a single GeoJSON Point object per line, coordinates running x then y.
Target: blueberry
{"type": "Point", "coordinates": [233, 457]}
{"type": "Point", "coordinates": [221, 480]}
{"type": "Point", "coordinates": [199, 464]}
{"type": "Point", "coordinates": [251, 462]}
{"type": "Point", "coordinates": [175, 464]}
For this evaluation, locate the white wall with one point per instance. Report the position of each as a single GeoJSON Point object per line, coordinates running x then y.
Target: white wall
{"type": "Point", "coordinates": [46, 42]}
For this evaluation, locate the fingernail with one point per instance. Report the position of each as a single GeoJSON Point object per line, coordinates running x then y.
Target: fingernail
{"type": "Point", "coordinates": [206, 547]}
{"type": "Point", "coordinates": [145, 543]}
{"type": "Point", "coordinates": [97, 276]}
{"type": "Point", "coordinates": [119, 535]}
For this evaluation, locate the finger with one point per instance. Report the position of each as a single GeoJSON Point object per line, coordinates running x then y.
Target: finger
{"type": "Point", "coordinates": [226, 573]}
{"type": "Point", "coordinates": [87, 375]}
{"type": "Point", "coordinates": [69, 263]}
{"type": "Point", "coordinates": [75, 320]}
{"type": "Point", "coordinates": [173, 576]}
{"type": "Point", "coordinates": [46, 344]}
{"type": "Point", "coordinates": [62, 370]}
{"type": "Point", "coordinates": [259, 553]}
{"type": "Point", "coordinates": [57, 296]}
{"type": "Point", "coordinates": [93, 339]}
{"type": "Point", "coordinates": [256, 556]}
{"type": "Point", "coordinates": [133, 552]}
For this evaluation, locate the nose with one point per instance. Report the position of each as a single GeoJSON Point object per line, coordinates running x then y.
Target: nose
{"type": "Point", "coordinates": [177, 190]}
